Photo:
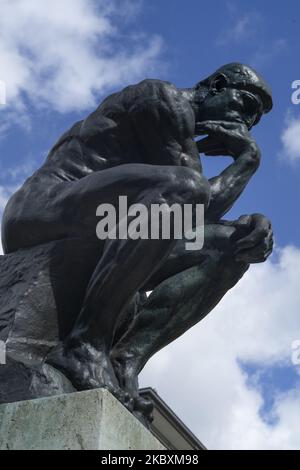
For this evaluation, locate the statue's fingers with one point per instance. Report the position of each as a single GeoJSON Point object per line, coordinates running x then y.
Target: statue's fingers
{"type": "Point", "coordinates": [259, 258]}
{"type": "Point", "coordinates": [206, 144]}
{"type": "Point", "coordinates": [215, 148]}
{"type": "Point", "coordinates": [244, 221]}
{"type": "Point", "coordinates": [244, 243]}
{"type": "Point", "coordinates": [209, 146]}
{"type": "Point", "coordinates": [246, 257]}
{"type": "Point", "coordinates": [262, 220]}
{"type": "Point", "coordinates": [268, 253]}
{"type": "Point", "coordinates": [270, 242]}
{"type": "Point", "coordinates": [255, 255]}
{"type": "Point", "coordinates": [251, 260]}
{"type": "Point", "coordinates": [262, 225]}
{"type": "Point", "coordinates": [261, 251]}
{"type": "Point", "coordinates": [250, 240]}
{"type": "Point", "coordinates": [225, 124]}
{"type": "Point", "coordinates": [206, 127]}
{"type": "Point", "coordinates": [213, 127]}
{"type": "Point", "coordinates": [217, 152]}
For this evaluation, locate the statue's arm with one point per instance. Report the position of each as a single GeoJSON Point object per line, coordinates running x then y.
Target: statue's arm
{"type": "Point", "coordinates": [248, 239]}
{"type": "Point", "coordinates": [233, 140]}
{"type": "Point", "coordinates": [228, 186]}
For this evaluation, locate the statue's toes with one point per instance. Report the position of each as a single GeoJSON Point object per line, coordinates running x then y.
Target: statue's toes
{"type": "Point", "coordinates": [56, 357]}
{"type": "Point", "coordinates": [144, 406]}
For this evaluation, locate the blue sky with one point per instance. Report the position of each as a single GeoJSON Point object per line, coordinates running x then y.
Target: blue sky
{"type": "Point", "coordinates": [59, 59]}
{"type": "Point", "coordinates": [196, 40]}
{"type": "Point", "coordinates": [272, 382]}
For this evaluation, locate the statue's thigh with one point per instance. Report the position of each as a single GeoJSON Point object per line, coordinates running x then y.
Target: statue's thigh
{"type": "Point", "coordinates": [77, 203]}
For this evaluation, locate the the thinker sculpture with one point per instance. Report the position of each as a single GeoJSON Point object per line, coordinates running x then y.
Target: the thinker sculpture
{"type": "Point", "coordinates": [73, 309]}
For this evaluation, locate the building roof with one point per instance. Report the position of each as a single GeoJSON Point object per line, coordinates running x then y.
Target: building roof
{"type": "Point", "coordinates": [168, 427]}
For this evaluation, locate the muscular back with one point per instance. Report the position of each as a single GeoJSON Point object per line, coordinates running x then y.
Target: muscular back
{"type": "Point", "coordinates": [150, 122]}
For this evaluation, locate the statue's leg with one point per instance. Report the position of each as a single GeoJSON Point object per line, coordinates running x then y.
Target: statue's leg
{"type": "Point", "coordinates": [178, 302]}
{"type": "Point", "coordinates": [124, 268]}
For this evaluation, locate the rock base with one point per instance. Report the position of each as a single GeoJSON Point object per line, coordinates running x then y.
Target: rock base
{"type": "Point", "coordinates": [91, 420]}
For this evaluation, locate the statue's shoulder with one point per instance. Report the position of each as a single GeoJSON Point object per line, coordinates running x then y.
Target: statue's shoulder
{"type": "Point", "coordinates": [153, 84]}
{"type": "Point", "coordinates": [150, 89]}
{"type": "Point", "coordinates": [159, 97]}
{"type": "Point", "coordinates": [68, 135]}
{"type": "Point", "coordinates": [143, 94]}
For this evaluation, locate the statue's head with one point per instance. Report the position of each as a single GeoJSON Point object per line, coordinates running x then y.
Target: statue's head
{"type": "Point", "coordinates": [235, 93]}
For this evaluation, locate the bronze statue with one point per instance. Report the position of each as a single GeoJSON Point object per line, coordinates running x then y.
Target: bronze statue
{"type": "Point", "coordinates": [140, 142]}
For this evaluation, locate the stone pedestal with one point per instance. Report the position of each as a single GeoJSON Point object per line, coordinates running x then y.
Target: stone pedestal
{"type": "Point", "coordinates": [92, 420]}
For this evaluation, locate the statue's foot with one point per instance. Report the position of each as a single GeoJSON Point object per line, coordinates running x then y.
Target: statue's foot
{"type": "Point", "coordinates": [143, 409]}
{"type": "Point", "coordinates": [127, 371]}
{"type": "Point", "coordinates": [87, 368]}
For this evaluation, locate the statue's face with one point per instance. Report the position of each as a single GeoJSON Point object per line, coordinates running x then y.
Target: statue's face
{"type": "Point", "coordinates": [230, 104]}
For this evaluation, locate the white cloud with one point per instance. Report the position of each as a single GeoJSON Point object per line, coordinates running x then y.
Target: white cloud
{"type": "Point", "coordinates": [5, 193]}
{"type": "Point", "coordinates": [291, 140]}
{"type": "Point", "coordinates": [63, 54]}
{"type": "Point", "coordinates": [199, 376]}
{"type": "Point", "coordinates": [250, 28]}
{"type": "Point", "coordinates": [266, 53]}
{"type": "Point", "coordinates": [242, 27]}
